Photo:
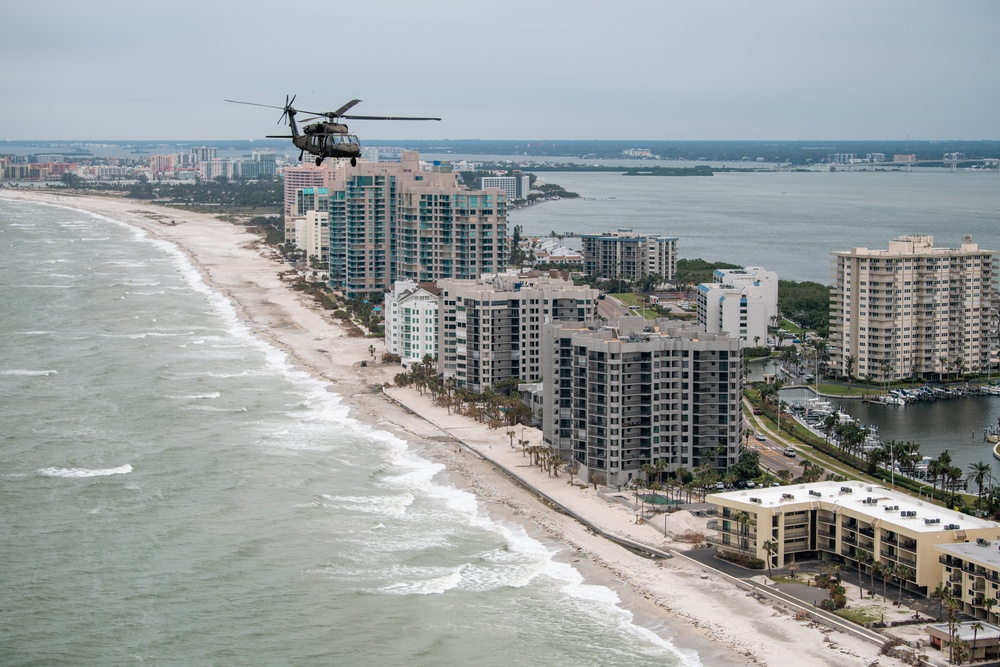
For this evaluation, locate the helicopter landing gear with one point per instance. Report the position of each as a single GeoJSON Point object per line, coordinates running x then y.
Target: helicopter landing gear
{"type": "Point", "coordinates": [319, 161]}
{"type": "Point", "coordinates": [354, 162]}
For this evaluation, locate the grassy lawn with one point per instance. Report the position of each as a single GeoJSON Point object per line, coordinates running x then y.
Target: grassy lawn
{"type": "Point", "coordinates": [842, 390]}
{"type": "Point", "coordinates": [628, 298]}
{"type": "Point", "coordinates": [861, 616]}
{"type": "Point", "coordinates": [791, 328]}
{"type": "Point", "coordinates": [641, 303]}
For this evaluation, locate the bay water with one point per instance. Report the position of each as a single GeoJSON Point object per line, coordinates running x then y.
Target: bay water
{"type": "Point", "coordinates": [791, 222]}
{"type": "Point", "coordinates": [174, 492]}
{"type": "Point", "coordinates": [788, 222]}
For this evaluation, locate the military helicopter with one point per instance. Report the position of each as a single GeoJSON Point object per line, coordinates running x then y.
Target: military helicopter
{"type": "Point", "coordinates": [327, 138]}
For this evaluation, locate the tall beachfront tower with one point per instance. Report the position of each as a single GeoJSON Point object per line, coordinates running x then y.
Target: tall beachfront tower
{"type": "Point", "coordinates": [636, 391]}
{"type": "Point", "coordinates": [395, 221]}
{"type": "Point", "coordinates": [630, 256]}
{"type": "Point", "coordinates": [912, 310]}
{"type": "Point", "coordinates": [308, 175]}
{"type": "Point", "coordinates": [491, 329]}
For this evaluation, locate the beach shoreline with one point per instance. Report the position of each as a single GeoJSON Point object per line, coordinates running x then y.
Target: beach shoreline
{"type": "Point", "coordinates": [694, 609]}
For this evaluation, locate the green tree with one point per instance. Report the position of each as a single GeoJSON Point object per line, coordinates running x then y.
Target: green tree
{"type": "Point", "coordinates": [771, 547]}
{"type": "Point", "coordinates": [851, 362]}
{"type": "Point", "coordinates": [976, 627]}
{"type": "Point", "coordinates": [903, 572]}
{"type": "Point", "coordinates": [980, 473]}
{"type": "Point", "coordinates": [743, 519]}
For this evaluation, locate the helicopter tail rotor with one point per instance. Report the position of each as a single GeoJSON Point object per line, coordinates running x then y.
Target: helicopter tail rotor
{"type": "Point", "coordinates": [287, 109]}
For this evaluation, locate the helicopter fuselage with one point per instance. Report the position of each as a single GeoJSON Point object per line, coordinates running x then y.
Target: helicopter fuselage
{"type": "Point", "coordinates": [328, 138]}
{"type": "Point", "coordinates": [329, 144]}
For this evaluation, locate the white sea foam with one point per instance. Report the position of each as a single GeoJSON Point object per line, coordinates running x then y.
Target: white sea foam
{"type": "Point", "coordinates": [425, 581]}
{"type": "Point", "coordinates": [602, 602]}
{"type": "Point", "coordinates": [21, 371]}
{"type": "Point", "coordinates": [196, 397]}
{"type": "Point", "coordinates": [385, 505]}
{"type": "Point", "coordinates": [77, 473]}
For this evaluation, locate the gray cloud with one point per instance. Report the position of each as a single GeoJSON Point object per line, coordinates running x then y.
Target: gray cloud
{"type": "Point", "coordinates": [516, 70]}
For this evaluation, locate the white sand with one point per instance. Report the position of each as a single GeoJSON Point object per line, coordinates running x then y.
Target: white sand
{"type": "Point", "coordinates": [697, 610]}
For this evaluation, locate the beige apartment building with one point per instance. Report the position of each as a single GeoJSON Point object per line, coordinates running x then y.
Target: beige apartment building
{"type": "Point", "coordinates": [491, 329]}
{"type": "Point", "coordinates": [846, 522]}
{"type": "Point", "coordinates": [912, 310]}
{"type": "Point", "coordinates": [629, 255]}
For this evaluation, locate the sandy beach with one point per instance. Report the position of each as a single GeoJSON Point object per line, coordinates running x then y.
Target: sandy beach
{"type": "Point", "coordinates": [697, 610]}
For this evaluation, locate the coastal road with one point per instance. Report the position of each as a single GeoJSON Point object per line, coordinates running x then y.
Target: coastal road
{"type": "Point", "coordinates": [773, 458]}
{"type": "Point", "coordinates": [611, 308]}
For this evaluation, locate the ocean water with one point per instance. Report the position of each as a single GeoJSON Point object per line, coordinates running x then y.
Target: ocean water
{"type": "Point", "coordinates": [788, 222]}
{"type": "Point", "coordinates": [174, 492]}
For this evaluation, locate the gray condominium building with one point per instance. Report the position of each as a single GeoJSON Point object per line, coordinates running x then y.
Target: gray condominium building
{"type": "Point", "coordinates": [638, 391]}
{"type": "Point", "coordinates": [491, 329]}
{"type": "Point", "coordinates": [630, 256]}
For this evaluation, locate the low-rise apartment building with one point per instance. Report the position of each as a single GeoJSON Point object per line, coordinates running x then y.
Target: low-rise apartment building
{"type": "Point", "coordinates": [971, 572]}
{"type": "Point", "coordinates": [848, 522]}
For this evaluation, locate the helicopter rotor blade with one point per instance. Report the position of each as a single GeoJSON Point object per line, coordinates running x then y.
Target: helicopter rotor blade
{"type": "Point", "coordinates": [279, 136]}
{"type": "Point", "coordinates": [389, 118]}
{"type": "Point", "coordinates": [255, 104]}
{"type": "Point", "coordinates": [340, 112]}
{"type": "Point", "coordinates": [287, 108]}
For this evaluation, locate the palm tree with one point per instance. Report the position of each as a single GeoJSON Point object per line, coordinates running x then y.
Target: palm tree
{"type": "Point", "coordinates": [830, 423]}
{"type": "Point", "coordinates": [954, 475]}
{"type": "Point", "coordinates": [882, 570]}
{"type": "Point", "coordinates": [933, 471]}
{"type": "Point", "coordinates": [952, 603]}
{"type": "Point", "coordinates": [941, 592]}
{"type": "Point", "coordinates": [869, 560]}
{"type": "Point", "coordinates": [771, 547]}
{"type": "Point", "coordinates": [857, 554]}
{"type": "Point", "coordinates": [976, 627]}
{"type": "Point", "coordinates": [850, 361]}
{"type": "Point", "coordinates": [743, 519]}
{"type": "Point", "coordinates": [980, 473]}
{"type": "Point", "coordinates": [904, 573]}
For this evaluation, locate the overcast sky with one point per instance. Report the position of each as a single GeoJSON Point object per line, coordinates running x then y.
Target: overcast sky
{"type": "Point", "coordinates": [514, 69]}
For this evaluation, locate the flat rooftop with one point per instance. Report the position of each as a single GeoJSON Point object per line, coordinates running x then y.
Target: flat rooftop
{"type": "Point", "coordinates": [985, 553]}
{"type": "Point", "coordinates": [877, 502]}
